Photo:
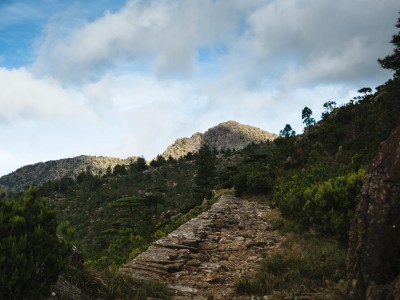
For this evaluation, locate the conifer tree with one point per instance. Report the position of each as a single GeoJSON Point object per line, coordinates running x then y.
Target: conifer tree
{"type": "Point", "coordinates": [133, 205]}
{"type": "Point", "coordinates": [205, 172]}
{"type": "Point", "coordinates": [392, 61]}
{"type": "Point", "coordinates": [31, 254]}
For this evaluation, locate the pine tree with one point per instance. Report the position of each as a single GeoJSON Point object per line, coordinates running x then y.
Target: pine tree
{"type": "Point", "coordinates": [134, 205]}
{"type": "Point", "coordinates": [392, 61]}
{"type": "Point", "coordinates": [205, 172]}
{"type": "Point", "coordinates": [31, 254]}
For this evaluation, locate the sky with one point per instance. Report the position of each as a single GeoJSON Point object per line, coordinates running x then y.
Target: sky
{"type": "Point", "coordinates": [126, 78]}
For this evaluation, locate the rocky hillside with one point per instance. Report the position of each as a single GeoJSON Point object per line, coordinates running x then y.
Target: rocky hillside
{"type": "Point", "coordinates": [227, 135]}
{"type": "Point", "coordinates": [56, 169]}
{"type": "Point", "coordinates": [184, 145]}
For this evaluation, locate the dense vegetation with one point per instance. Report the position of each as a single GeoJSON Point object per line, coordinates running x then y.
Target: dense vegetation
{"type": "Point", "coordinates": [114, 217]}
{"type": "Point", "coordinates": [315, 178]}
{"type": "Point", "coordinates": [31, 254]}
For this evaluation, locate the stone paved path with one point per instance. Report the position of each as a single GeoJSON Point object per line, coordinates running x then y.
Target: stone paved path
{"type": "Point", "coordinates": [204, 258]}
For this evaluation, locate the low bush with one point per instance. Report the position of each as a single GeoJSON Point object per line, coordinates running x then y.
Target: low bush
{"type": "Point", "coordinates": [327, 205]}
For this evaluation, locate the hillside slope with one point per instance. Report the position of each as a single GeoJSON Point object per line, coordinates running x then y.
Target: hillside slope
{"type": "Point", "coordinates": [228, 135]}
{"type": "Point", "coordinates": [42, 172]}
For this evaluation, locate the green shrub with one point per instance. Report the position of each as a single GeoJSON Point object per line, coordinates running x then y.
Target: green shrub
{"type": "Point", "coordinates": [258, 182]}
{"type": "Point", "coordinates": [240, 184]}
{"type": "Point", "coordinates": [31, 254]}
{"type": "Point", "coordinates": [330, 205]}
{"type": "Point", "coordinates": [327, 205]}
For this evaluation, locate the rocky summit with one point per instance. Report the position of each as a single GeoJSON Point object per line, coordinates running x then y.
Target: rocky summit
{"type": "Point", "coordinates": [228, 135]}
{"type": "Point", "coordinates": [205, 257]}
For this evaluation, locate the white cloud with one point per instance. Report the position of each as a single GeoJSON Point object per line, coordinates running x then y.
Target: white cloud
{"type": "Point", "coordinates": [261, 38]}
{"type": "Point", "coordinates": [313, 41]}
{"type": "Point", "coordinates": [165, 34]}
{"type": "Point", "coordinates": [8, 161]}
{"type": "Point", "coordinates": [24, 97]}
{"type": "Point", "coordinates": [147, 112]}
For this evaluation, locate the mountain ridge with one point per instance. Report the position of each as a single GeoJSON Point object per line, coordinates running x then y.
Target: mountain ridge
{"type": "Point", "coordinates": [227, 135]}
{"type": "Point", "coordinates": [41, 172]}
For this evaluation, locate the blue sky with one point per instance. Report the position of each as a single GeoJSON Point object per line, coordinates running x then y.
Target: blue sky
{"type": "Point", "coordinates": [126, 78]}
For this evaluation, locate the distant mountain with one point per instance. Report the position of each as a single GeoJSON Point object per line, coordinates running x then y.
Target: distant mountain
{"type": "Point", "coordinates": [42, 172]}
{"type": "Point", "coordinates": [228, 135]}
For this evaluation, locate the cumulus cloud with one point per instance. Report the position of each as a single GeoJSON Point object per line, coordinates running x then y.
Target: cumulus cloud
{"type": "Point", "coordinates": [149, 113]}
{"type": "Point", "coordinates": [313, 41]}
{"type": "Point", "coordinates": [24, 97]}
{"type": "Point", "coordinates": [273, 38]}
{"type": "Point", "coordinates": [165, 34]}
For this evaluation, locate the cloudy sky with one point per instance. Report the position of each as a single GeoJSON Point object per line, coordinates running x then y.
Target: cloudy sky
{"type": "Point", "coordinates": [124, 78]}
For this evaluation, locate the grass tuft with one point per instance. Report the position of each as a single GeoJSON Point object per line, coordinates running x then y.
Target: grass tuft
{"type": "Point", "coordinates": [112, 284]}
{"type": "Point", "coordinates": [303, 263]}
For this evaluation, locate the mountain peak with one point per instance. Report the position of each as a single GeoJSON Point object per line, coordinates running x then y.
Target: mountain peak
{"type": "Point", "coordinates": [227, 135]}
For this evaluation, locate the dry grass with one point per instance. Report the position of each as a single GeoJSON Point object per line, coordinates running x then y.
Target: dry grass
{"type": "Point", "coordinates": [112, 284]}
{"type": "Point", "coordinates": [304, 265]}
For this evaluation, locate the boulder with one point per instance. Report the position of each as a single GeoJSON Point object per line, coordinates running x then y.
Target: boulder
{"type": "Point", "coordinates": [374, 243]}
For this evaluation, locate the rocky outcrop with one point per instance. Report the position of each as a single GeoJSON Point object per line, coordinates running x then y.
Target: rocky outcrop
{"type": "Point", "coordinates": [228, 135]}
{"type": "Point", "coordinates": [183, 146]}
{"type": "Point", "coordinates": [64, 288]}
{"type": "Point", "coordinates": [42, 172]}
{"type": "Point", "coordinates": [208, 255]}
{"type": "Point", "coordinates": [374, 243]}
